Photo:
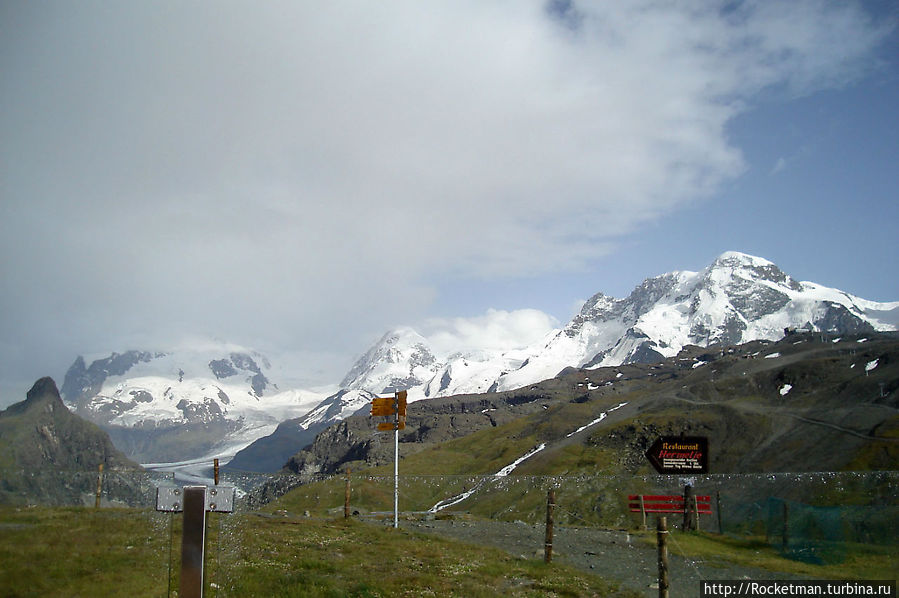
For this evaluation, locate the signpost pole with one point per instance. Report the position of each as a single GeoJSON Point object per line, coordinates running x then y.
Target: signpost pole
{"type": "Point", "coordinates": [396, 462]}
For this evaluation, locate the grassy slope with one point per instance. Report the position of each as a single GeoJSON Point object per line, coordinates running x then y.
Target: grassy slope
{"type": "Point", "coordinates": [116, 552]}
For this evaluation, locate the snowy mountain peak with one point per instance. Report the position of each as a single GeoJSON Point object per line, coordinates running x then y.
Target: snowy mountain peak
{"type": "Point", "coordinates": [737, 258]}
{"type": "Point", "coordinates": [241, 364]}
{"type": "Point", "coordinates": [732, 266]}
{"type": "Point", "coordinates": [401, 359]}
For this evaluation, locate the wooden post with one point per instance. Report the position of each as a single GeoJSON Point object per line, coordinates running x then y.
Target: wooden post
{"type": "Point", "coordinates": [689, 513]}
{"type": "Point", "coordinates": [786, 532]}
{"type": "Point", "coordinates": [99, 487]}
{"type": "Point", "coordinates": [662, 541]}
{"type": "Point", "coordinates": [718, 510]}
{"type": "Point", "coordinates": [215, 471]}
{"type": "Point", "coordinates": [643, 512]}
{"type": "Point", "coordinates": [346, 496]}
{"type": "Point", "coordinates": [548, 543]}
{"type": "Point", "coordinates": [696, 512]}
{"type": "Point", "coordinates": [193, 542]}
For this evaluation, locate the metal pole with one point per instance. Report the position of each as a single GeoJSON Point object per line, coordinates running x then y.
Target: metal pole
{"type": "Point", "coordinates": [396, 461]}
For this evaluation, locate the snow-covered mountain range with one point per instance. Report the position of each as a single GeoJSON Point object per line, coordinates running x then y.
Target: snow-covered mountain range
{"type": "Point", "coordinates": [223, 387]}
{"type": "Point", "coordinates": [737, 299]}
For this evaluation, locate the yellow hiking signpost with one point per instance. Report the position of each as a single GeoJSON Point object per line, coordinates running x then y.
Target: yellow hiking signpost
{"type": "Point", "coordinates": [385, 407]}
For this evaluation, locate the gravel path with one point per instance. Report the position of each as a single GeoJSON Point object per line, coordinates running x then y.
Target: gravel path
{"type": "Point", "coordinates": [613, 554]}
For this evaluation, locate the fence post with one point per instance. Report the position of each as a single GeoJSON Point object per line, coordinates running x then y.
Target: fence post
{"type": "Point", "coordinates": [548, 544]}
{"type": "Point", "coordinates": [696, 512]}
{"type": "Point", "coordinates": [643, 511]}
{"type": "Point", "coordinates": [786, 532]}
{"type": "Point", "coordinates": [718, 510]}
{"type": "Point", "coordinates": [215, 471]}
{"type": "Point", "coordinates": [662, 541]}
{"type": "Point", "coordinates": [99, 487]}
{"type": "Point", "coordinates": [346, 496]}
{"type": "Point", "coordinates": [689, 512]}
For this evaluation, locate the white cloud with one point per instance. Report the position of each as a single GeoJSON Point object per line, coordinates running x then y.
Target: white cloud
{"type": "Point", "coordinates": [495, 330]}
{"type": "Point", "coordinates": [295, 171]}
{"type": "Point", "coordinates": [779, 165]}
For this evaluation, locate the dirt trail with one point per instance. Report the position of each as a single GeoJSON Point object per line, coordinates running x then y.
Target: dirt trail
{"type": "Point", "coordinates": [615, 555]}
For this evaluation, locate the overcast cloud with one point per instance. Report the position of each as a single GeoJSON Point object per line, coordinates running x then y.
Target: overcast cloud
{"type": "Point", "coordinates": [299, 175]}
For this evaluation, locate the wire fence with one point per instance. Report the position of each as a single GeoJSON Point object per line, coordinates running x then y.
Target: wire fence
{"type": "Point", "coordinates": [815, 518]}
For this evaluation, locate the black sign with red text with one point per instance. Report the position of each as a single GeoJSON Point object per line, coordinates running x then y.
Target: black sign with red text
{"type": "Point", "coordinates": [680, 454]}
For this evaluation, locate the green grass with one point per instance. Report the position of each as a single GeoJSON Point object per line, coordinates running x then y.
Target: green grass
{"type": "Point", "coordinates": [862, 561]}
{"type": "Point", "coordinates": [309, 557]}
{"type": "Point", "coordinates": [127, 552]}
{"type": "Point", "coordinates": [73, 551]}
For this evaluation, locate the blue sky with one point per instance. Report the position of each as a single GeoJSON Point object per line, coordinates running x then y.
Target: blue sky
{"type": "Point", "coordinates": [819, 198]}
{"type": "Point", "coordinates": [299, 177]}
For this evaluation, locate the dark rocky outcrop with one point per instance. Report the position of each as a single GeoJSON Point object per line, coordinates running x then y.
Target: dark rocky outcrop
{"type": "Point", "coordinates": [50, 454]}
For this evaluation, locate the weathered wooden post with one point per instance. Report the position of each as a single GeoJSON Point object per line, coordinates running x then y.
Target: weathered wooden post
{"type": "Point", "coordinates": [215, 471]}
{"type": "Point", "coordinates": [786, 532]}
{"type": "Point", "coordinates": [346, 496]}
{"type": "Point", "coordinates": [99, 487]}
{"type": "Point", "coordinates": [662, 541]}
{"type": "Point", "coordinates": [696, 512]}
{"type": "Point", "coordinates": [643, 511]}
{"type": "Point", "coordinates": [194, 501]}
{"type": "Point", "coordinates": [718, 510]}
{"type": "Point", "coordinates": [548, 543]}
{"type": "Point", "coordinates": [689, 509]}
{"type": "Point", "coordinates": [193, 542]}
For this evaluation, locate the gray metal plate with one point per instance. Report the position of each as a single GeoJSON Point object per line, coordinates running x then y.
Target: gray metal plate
{"type": "Point", "coordinates": [219, 499]}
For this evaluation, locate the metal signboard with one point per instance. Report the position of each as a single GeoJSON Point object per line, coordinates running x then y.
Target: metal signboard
{"type": "Point", "coordinates": [680, 454]}
{"type": "Point", "coordinates": [401, 403]}
{"type": "Point", "coordinates": [383, 407]}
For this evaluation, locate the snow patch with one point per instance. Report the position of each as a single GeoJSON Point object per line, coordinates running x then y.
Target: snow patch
{"type": "Point", "coordinates": [871, 365]}
{"type": "Point", "coordinates": [786, 388]}
{"type": "Point", "coordinates": [505, 471]}
{"type": "Point", "coordinates": [601, 417]}
{"type": "Point", "coordinates": [772, 356]}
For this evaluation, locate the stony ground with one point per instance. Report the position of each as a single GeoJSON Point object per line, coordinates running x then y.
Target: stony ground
{"type": "Point", "coordinates": [615, 555]}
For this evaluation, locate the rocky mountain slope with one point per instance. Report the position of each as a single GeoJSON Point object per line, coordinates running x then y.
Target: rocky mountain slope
{"type": "Point", "coordinates": [809, 402]}
{"type": "Point", "coordinates": [269, 453]}
{"type": "Point", "coordinates": [49, 454]}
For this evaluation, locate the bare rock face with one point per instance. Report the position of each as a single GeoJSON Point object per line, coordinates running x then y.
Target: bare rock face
{"type": "Point", "coordinates": [49, 449]}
